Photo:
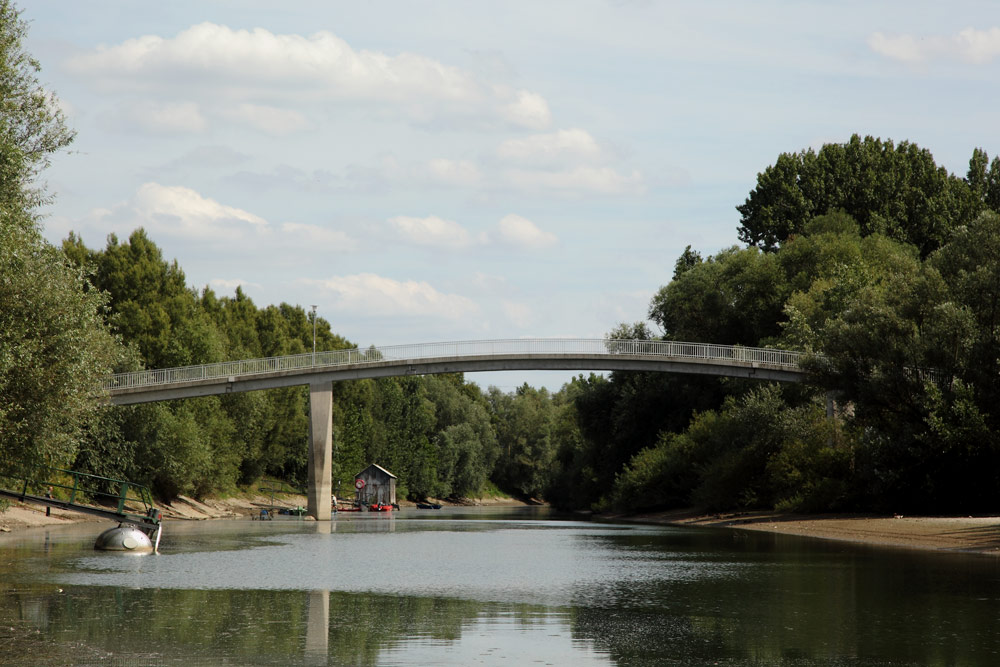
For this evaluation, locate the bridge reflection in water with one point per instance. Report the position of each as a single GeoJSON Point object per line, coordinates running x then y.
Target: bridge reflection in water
{"type": "Point", "coordinates": [320, 370]}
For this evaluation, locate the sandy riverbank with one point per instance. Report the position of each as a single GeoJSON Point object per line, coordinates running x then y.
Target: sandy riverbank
{"type": "Point", "coordinates": [20, 516]}
{"type": "Point", "coordinates": [962, 534]}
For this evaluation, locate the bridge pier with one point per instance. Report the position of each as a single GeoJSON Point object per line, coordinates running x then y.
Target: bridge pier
{"type": "Point", "coordinates": [320, 472]}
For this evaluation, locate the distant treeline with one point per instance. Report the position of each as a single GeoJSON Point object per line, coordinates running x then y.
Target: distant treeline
{"type": "Point", "coordinates": [866, 254]}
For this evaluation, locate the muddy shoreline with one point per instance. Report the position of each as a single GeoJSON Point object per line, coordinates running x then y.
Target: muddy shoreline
{"type": "Point", "coordinates": [979, 535]}
{"type": "Point", "coordinates": [24, 516]}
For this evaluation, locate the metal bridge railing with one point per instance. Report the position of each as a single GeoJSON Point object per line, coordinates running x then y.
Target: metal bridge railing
{"type": "Point", "coordinates": [519, 347]}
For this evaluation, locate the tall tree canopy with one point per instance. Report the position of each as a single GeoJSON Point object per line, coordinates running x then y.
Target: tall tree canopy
{"type": "Point", "coordinates": [54, 348]}
{"type": "Point", "coordinates": [32, 126]}
{"type": "Point", "coordinates": [895, 190]}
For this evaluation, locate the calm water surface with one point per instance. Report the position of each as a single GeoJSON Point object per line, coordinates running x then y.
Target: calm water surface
{"type": "Point", "coordinates": [489, 587]}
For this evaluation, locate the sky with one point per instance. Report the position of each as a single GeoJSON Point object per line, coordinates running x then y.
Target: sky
{"type": "Point", "coordinates": [451, 170]}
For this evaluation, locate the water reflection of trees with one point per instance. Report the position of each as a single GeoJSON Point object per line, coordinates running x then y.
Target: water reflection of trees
{"type": "Point", "coordinates": [785, 604]}
{"type": "Point", "coordinates": [253, 627]}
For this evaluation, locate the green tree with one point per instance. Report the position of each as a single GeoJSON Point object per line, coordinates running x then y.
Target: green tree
{"type": "Point", "coordinates": [523, 421]}
{"type": "Point", "coordinates": [54, 348]}
{"type": "Point", "coordinates": [896, 190]}
{"type": "Point", "coordinates": [757, 451]}
{"type": "Point", "coordinates": [912, 347]}
{"type": "Point", "coordinates": [983, 179]}
{"type": "Point", "coordinates": [152, 306]}
{"type": "Point", "coordinates": [32, 127]}
{"type": "Point", "coordinates": [574, 482]}
{"type": "Point", "coordinates": [466, 443]}
{"type": "Point", "coordinates": [735, 297]}
{"type": "Point", "coordinates": [827, 267]}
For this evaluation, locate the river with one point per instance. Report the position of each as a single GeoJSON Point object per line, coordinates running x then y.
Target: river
{"type": "Point", "coordinates": [488, 587]}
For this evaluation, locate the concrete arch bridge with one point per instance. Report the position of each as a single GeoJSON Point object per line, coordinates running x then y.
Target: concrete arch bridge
{"type": "Point", "coordinates": [321, 369]}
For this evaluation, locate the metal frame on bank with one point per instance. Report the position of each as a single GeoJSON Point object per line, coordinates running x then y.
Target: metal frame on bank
{"type": "Point", "coordinates": [115, 499]}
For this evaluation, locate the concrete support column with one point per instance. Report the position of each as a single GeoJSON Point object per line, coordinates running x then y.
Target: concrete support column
{"type": "Point", "coordinates": [320, 450]}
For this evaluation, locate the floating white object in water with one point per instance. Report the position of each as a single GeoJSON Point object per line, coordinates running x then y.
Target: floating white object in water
{"type": "Point", "coordinates": [124, 538]}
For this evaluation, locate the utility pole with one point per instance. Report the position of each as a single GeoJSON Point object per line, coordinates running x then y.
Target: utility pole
{"type": "Point", "coordinates": [314, 334]}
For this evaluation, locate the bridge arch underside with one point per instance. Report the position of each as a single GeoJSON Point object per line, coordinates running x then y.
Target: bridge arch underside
{"type": "Point", "coordinates": [372, 370]}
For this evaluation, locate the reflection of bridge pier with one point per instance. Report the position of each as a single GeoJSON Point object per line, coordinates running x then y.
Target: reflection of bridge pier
{"type": "Point", "coordinates": [318, 628]}
{"type": "Point", "coordinates": [318, 614]}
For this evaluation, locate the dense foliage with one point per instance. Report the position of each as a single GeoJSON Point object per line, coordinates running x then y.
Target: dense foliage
{"type": "Point", "coordinates": [53, 347]}
{"type": "Point", "coordinates": [896, 191]}
{"type": "Point", "coordinates": [887, 269]}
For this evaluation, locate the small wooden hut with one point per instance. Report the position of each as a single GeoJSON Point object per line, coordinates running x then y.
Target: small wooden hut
{"type": "Point", "coordinates": [379, 486]}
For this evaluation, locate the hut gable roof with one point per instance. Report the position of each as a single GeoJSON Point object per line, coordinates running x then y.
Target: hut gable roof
{"type": "Point", "coordinates": [375, 465]}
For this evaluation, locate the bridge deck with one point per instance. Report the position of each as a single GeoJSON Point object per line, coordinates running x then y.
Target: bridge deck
{"type": "Point", "coordinates": [456, 357]}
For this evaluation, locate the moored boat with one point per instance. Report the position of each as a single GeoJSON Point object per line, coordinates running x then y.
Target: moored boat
{"type": "Point", "coordinates": [428, 506]}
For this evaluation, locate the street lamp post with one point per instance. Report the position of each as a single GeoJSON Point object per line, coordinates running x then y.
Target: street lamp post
{"type": "Point", "coordinates": [314, 334]}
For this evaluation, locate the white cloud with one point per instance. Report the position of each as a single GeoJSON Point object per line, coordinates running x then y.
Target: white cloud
{"type": "Point", "coordinates": [374, 295]}
{"type": "Point", "coordinates": [453, 172]}
{"type": "Point", "coordinates": [488, 282]}
{"type": "Point", "coordinates": [203, 157]}
{"type": "Point", "coordinates": [511, 230]}
{"type": "Point", "coordinates": [180, 212]}
{"type": "Point", "coordinates": [566, 161]}
{"type": "Point", "coordinates": [521, 232]}
{"type": "Point", "coordinates": [968, 45]}
{"type": "Point", "coordinates": [170, 117]}
{"type": "Point", "coordinates": [527, 109]}
{"type": "Point", "coordinates": [247, 65]}
{"type": "Point", "coordinates": [314, 236]}
{"type": "Point", "coordinates": [268, 119]}
{"type": "Point", "coordinates": [519, 314]}
{"type": "Point", "coordinates": [388, 173]}
{"type": "Point", "coordinates": [583, 179]}
{"type": "Point", "coordinates": [156, 199]}
{"type": "Point", "coordinates": [561, 162]}
{"type": "Point", "coordinates": [432, 231]}
{"type": "Point", "coordinates": [901, 47]}
{"type": "Point", "coordinates": [573, 145]}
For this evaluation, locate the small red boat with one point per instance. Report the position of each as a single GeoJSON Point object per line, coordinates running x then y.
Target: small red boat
{"type": "Point", "coordinates": [378, 507]}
